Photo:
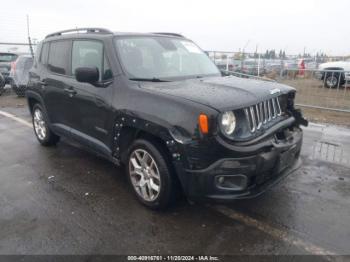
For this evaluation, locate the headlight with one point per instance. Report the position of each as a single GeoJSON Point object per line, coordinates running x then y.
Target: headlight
{"type": "Point", "coordinates": [228, 122]}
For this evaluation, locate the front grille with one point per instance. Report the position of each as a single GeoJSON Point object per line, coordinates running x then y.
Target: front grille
{"type": "Point", "coordinates": [262, 113]}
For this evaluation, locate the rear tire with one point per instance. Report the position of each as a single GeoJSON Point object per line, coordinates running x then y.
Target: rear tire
{"type": "Point", "coordinates": [150, 175]}
{"type": "Point", "coordinates": [41, 128]}
{"type": "Point", "coordinates": [19, 90]}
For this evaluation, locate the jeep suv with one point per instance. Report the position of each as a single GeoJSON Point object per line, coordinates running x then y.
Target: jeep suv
{"type": "Point", "coordinates": [158, 105]}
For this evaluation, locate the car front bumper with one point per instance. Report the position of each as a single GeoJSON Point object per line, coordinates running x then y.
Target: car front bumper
{"type": "Point", "coordinates": [246, 177]}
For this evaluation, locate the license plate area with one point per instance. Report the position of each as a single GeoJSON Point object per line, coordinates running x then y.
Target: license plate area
{"type": "Point", "coordinates": [286, 159]}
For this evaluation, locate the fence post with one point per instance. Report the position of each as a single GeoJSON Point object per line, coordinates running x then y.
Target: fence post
{"type": "Point", "coordinates": [226, 62]}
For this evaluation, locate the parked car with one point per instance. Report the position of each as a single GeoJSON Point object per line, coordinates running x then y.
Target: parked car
{"type": "Point", "coordinates": [334, 74]}
{"type": "Point", "coordinates": [157, 104]}
{"type": "Point", "coordinates": [2, 84]}
{"type": "Point", "coordinates": [252, 67]}
{"type": "Point", "coordinates": [5, 64]}
{"type": "Point", "coordinates": [19, 74]}
{"type": "Point", "coordinates": [273, 66]}
{"type": "Point", "coordinates": [290, 65]}
{"type": "Point", "coordinates": [232, 65]}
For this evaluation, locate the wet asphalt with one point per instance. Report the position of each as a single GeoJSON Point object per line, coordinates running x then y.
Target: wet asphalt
{"type": "Point", "coordinates": [65, 200]}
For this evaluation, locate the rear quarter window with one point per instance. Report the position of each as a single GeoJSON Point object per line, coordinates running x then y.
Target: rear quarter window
{"type": "Point", "coordinates": [44, 53]}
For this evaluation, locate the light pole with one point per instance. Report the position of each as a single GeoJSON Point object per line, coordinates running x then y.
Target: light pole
{"type": "Point", "coordinates": [243, 56]}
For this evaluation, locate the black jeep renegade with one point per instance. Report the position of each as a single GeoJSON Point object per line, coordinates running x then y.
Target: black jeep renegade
{"type": "Point", "coordinates": [157, 104]}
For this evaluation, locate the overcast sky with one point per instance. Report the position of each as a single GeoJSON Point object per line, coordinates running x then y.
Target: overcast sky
{"type": "Point", "coordinates": [317, 25]}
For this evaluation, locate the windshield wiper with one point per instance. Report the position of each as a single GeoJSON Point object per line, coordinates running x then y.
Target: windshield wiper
{"type": "Point", "coordinates": [154, 79]}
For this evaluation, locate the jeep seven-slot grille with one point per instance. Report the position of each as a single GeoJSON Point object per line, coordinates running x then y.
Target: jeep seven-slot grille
{"type": "Point", "coordinates": [262, 113]}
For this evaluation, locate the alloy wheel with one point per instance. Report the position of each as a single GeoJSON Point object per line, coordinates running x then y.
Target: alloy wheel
{"type": "Point", "coordinates": [39, 124]}
{"type": "Point", "coordinates": [144, 174]}
{"type": "Point", "coordinates": [332, 81]}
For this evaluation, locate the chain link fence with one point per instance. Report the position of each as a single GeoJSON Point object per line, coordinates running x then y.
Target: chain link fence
{"type": "Point", "coordinates": [319, 89]}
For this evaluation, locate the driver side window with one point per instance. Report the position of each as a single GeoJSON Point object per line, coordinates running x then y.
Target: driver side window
{"type": "Point", "coordinates": [90, 54]}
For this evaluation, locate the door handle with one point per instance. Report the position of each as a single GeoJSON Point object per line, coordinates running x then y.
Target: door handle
{"type": "Point", "coordinates": [70, 91]}
{"type": "Point", "coordinates": [42, 83]}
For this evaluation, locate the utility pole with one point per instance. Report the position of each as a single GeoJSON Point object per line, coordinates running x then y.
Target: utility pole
{"type": "Point", "coordinates": [243, 55]}
{"type": "Point", "coordinates": [30, 42]}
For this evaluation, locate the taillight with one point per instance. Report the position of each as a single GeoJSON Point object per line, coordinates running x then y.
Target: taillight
{"type": "Point", "coordinates": [13, 66]}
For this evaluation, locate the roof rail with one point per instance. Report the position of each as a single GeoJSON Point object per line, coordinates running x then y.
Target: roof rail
{"type": "Point", "coordinates": [83, 30]}
{"type": "Point", "coordinates": [171, 34]}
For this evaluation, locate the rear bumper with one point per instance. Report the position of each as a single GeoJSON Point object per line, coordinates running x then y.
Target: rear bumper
{"type": "Point", "coordinates": [247, 176]}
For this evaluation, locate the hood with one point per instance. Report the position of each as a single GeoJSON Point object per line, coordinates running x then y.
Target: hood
{"type": "Point", "coordinates": [221, 93]}
{"type": "Point", "coordinates": [341, 64]}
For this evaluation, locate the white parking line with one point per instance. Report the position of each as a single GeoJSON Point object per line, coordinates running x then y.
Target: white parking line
{"type": "Point", "coordinates": [242, 218]}
{"type": "Point", "coordinates": [16, 118]}
{"type": "Point", "coordinates": [274, 232]}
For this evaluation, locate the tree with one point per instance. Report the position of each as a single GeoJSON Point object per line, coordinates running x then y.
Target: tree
{"type": "Point", "coordinates": [284, 54]}
{"type": "Point", "coordinates": [267, 54]}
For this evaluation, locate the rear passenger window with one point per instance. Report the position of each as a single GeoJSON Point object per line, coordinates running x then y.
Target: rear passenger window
{"type": "Point", "coordinates": [90, 54]}
{"type": "Point", "coordinates": [59, 57]}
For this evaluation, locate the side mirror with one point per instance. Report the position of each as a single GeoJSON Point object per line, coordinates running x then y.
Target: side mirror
{"type": "Point", "coordinates": [87, 74]}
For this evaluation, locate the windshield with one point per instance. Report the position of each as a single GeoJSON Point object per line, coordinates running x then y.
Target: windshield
{"type": "Point", "coordinates": [163, 58]}
{"type": "Point", "coordinates": [4, 57]}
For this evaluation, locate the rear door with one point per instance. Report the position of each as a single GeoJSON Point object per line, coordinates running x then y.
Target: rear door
{"type": "Point", "coordinates": [56, 86]}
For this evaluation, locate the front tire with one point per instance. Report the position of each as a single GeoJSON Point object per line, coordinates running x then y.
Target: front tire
{"type": "Point", "coordinates": [150, 175]}
{"type": "Point", "coordinates": [41, 128]}
{"type": "Point", "coordinates": [332, 79]}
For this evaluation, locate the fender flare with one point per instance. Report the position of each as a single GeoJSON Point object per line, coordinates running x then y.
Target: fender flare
{"type": "Point", "coordinates": [161, 130]}
{"type": "Point", "coordinates": [143, 123]}
{"type": "Point", "coordinates": [33, 95]}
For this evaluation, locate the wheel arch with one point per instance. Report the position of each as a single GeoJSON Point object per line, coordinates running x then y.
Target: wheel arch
{"type": "Point", "coordinates": [34, 98]}
{"type": "Point", "coordinates": [161, 139]}
{"type": "Point", "coordinates": [334, 68]}
{"type": "Point", "coordinates": [128, 128]}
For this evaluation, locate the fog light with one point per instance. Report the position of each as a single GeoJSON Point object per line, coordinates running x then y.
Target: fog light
{"type": "Point", "coordinates": [221, 180]}
{"type": "Point", "coordinates": [231, 182]}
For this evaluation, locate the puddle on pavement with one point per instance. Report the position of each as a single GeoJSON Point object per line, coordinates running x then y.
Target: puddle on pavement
{"type": "Point", "coordinates": [330, 152]}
